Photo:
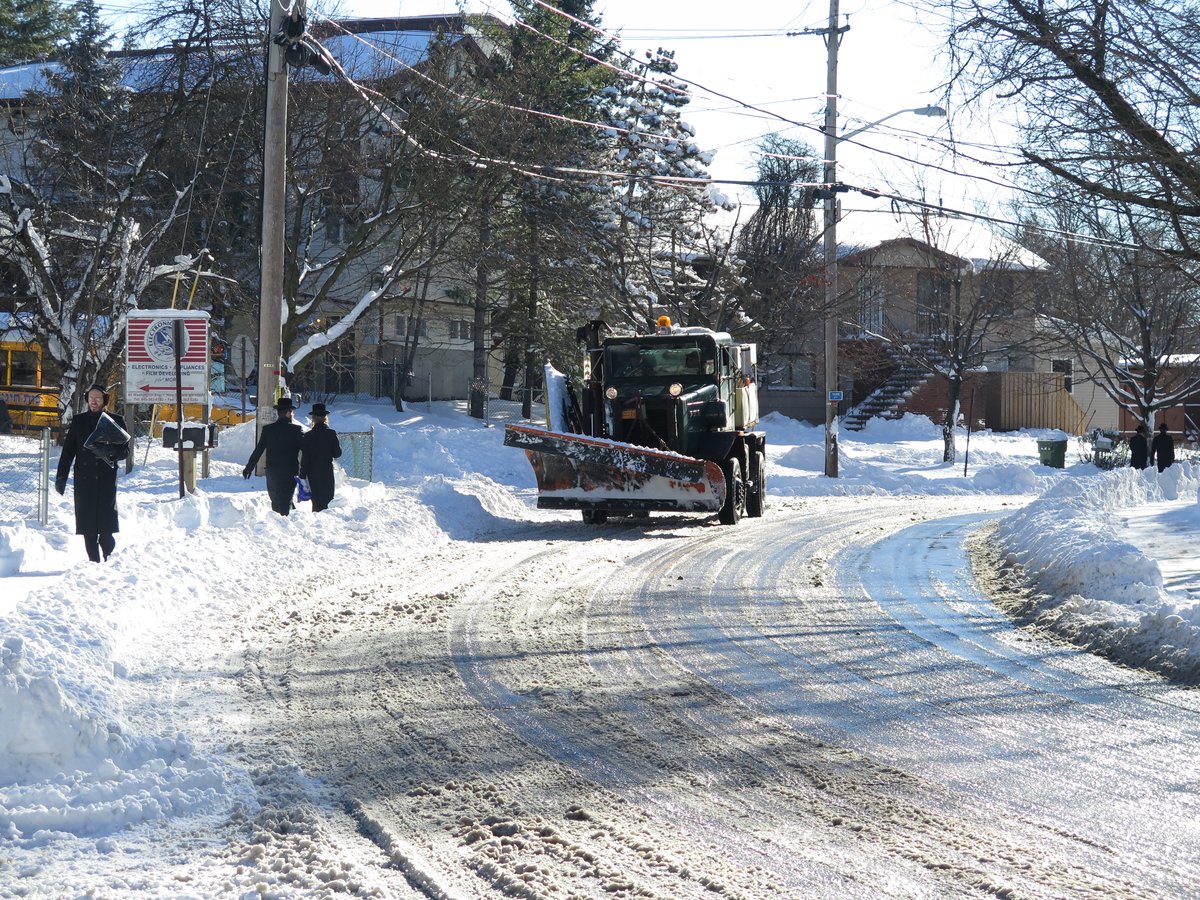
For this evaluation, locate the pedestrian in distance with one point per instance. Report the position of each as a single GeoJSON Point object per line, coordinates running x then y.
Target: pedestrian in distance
{"type": "Point", "coordinates": [1162, 448]}
{"type": "Point", "coordinates": [319, 449]}
{"type": "Point", "coordinates": [95, 442]}
{"type": "Point", "coordinates": [280, 441]}
{"type": "Point", "coordinates": [1139, 449]}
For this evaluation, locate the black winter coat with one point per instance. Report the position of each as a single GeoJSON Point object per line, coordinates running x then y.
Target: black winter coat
{"type": "Point", "coordinates": [1139, 451]}
{"type": "Point", "coordinates": [1162, 450]}
{"type": "Point", "coordinates": [281, 442]}
{"type": "Point", "coordinates": [319, 449]}
{"type": "Point", "coordinates": [95, 479]}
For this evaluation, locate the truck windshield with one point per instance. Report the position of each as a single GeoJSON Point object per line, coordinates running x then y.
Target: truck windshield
{"type": "Point", "coordinates": [641, 361]}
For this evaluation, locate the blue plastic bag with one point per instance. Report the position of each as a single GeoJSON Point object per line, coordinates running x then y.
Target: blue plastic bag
{"type": "Point", "coordinates": [303, 491]}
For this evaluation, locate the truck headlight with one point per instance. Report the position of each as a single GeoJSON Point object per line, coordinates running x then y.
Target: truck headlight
{"type": "Point", "coordinates": [611, 393]}
{"type": "Point", "coordinates": [675, 390]}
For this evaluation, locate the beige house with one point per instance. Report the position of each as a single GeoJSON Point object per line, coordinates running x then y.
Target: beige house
{"type": "Point", "coordinates": [944, 285]}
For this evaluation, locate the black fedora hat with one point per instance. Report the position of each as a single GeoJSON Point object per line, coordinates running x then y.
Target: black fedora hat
{"type": "Point", "coordinates": [284, 403]}
{"type": "Point", "coordinates": [318, 409]}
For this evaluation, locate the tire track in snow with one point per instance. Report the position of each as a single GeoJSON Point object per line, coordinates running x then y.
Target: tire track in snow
{"type": "Point", "coordinates": [829, 661]}
{"type": "Point", "coordinates": [805, 804]}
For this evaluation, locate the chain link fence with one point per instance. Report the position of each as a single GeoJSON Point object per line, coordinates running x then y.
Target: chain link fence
{"type": "Point", "coordinates": [358, 453]}
{"type": "Point", "coordinates": [25, 488]}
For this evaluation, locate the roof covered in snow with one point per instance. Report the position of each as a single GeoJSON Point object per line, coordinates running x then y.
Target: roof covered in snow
{"type": "Point", "coordinates": [972, 241]}
{"type": "Point", "coordinates": [366, 49]}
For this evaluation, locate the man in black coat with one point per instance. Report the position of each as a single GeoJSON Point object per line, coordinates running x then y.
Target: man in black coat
{"type": "Point", "coordinates": [95, 475]}
{"type": "Point", "coordinates": [1162, 448]}
{"type": "Point", "coordinates": [1139, 449]}
{"type": "Point", "coordinates": [319, 449]}
{"type": "Point", "coordinates": [280, 440]}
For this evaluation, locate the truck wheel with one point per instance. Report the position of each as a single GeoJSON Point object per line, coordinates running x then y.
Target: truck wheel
{"type": "Point", "coordinates": [735, 492]}
{"type": "Point", "coordinates": [756, 494]}
{"type": "Point", "coordinates": [594, 517]}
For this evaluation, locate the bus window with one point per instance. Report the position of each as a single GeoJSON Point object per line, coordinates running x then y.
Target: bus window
{"type": "Point", "coordinates": [23, 369]}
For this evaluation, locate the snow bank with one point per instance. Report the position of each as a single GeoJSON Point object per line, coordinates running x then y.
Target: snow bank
{"type": "Point", "coordinates": [904, 456]}
{"type": "Point", "coordinates": [68, 761]}
{"type": "Point", "coordinates": [1095, 588]}
{"type": "Point", "coordinates": [77, 652]}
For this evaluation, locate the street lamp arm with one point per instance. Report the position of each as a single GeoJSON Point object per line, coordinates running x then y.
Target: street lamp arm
{"type": "Point", "coordinates": [935, 111]}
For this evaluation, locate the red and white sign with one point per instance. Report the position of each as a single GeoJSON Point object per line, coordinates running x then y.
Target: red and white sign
{"type": "Point", "coordinates": [150, 356]}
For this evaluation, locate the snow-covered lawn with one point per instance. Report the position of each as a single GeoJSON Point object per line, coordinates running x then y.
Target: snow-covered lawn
{"type": "Point", "coordinates": [1110, 553]}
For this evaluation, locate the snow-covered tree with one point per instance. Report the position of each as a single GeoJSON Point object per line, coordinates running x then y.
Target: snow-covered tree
{"type": "Point", "coordinates": [661, 200]}
{"type": "Point", "coordinates": [84, 215]}
{"type": "Point", "coordinates": [780, 247]}
{"type": "Point", "coordinates": [549, 219]}
{"type": "Point", "coordinates": [1130, 313]}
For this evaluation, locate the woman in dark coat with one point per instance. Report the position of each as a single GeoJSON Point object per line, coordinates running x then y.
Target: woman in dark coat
{"type": "Point", "coordinates": [95, 476]}
{"type": "Point", "coordinates": [319, 448]}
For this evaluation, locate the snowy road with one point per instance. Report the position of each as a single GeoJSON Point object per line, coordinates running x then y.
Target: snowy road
{"type": "Point", "coordinates": [817, 703]}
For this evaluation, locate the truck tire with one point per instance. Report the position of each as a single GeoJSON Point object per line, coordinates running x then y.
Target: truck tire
{"type": "Point", "coordinates": [594, 517]}
{"type": "Point", "coordinates": [735, 492]}
{"type": "Point", "coordinates": [756, 493]}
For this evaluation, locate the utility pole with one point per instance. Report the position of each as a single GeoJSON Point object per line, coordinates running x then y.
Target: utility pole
{"type": "Point", "coordinates": [270, 316]}
{"type": "Point", "coordinates": [833, 395]}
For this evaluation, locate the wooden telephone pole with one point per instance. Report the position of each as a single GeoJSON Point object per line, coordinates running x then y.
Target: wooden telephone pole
{"type": "Point", "coordinates": [274, 175]}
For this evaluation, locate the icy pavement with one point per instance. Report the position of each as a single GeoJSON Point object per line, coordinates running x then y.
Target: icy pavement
{"type": "Point", "coordinates": [1169, 533]}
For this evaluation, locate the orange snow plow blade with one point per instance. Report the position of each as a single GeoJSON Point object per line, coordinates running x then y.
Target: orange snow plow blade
{"type": "Point", "coordinates": [575, 471]}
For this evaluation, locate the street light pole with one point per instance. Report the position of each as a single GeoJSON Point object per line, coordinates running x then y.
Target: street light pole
{"type": "Point", "coordinates": [920, 111]}
{"type": "Point", "coordinates": [833, 394]}
{"type": "Point", "coordinates": [833, 38]}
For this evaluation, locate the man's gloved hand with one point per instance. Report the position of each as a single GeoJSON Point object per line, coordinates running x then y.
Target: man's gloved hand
{"type": "Point", "coordinates": [60, 485]}
{"type": "Point", "coordinates": [247, 472]}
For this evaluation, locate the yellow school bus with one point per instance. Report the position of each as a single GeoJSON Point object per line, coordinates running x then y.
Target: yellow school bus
{"type": "Point", "coordinates": [30, 405]}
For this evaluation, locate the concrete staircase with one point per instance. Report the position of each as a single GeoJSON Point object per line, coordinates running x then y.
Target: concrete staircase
{"type": "Point", "coordinates": [887, 400]}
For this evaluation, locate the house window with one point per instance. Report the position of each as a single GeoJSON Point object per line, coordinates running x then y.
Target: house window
{"type": "Point", "coordinates": [933, 298]}
{"type": "Point", "coordinates": [870, 305]}
{"type": "Point", "coordinates": [996, 292]}
{"type": "Point", "coordinates": [333, 225]}
{"type": "Point", "coordinates": [462, 330]}
{"type": "Point", "coordinates": [402, 326]}
{"type": "Point", "coordinates": [1067, 368]}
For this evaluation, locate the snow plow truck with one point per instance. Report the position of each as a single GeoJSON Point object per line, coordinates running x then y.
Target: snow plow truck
{"type": "Point", "coordinates": [665, 423]}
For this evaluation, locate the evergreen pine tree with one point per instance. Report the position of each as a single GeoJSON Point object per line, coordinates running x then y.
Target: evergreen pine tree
{"type": "Point", "coordinates": [31, 29]}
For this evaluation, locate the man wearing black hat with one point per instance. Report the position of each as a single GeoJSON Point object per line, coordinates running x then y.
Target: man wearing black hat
{"type": "Point", "coordinates": [95, 453]}
{"type": "Point", "coordinates": [319, 448]}
{"type": "Point", "coordinates": [1162, 449]}
{"type": "Point", "coordinates": [280, 440]}
{"type": "Point", "coordinates": [1139, 448]}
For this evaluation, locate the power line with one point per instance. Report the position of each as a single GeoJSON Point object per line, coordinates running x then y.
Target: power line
{"type": "Point", "coordinates": [552, 172]}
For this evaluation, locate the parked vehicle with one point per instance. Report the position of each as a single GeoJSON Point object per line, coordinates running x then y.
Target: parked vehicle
{"type": "Point", "coordinates": [30, 405]}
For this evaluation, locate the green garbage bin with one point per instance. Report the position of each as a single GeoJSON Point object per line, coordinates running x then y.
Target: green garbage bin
{"type": "Point", "coordinates": [1053, 453]}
